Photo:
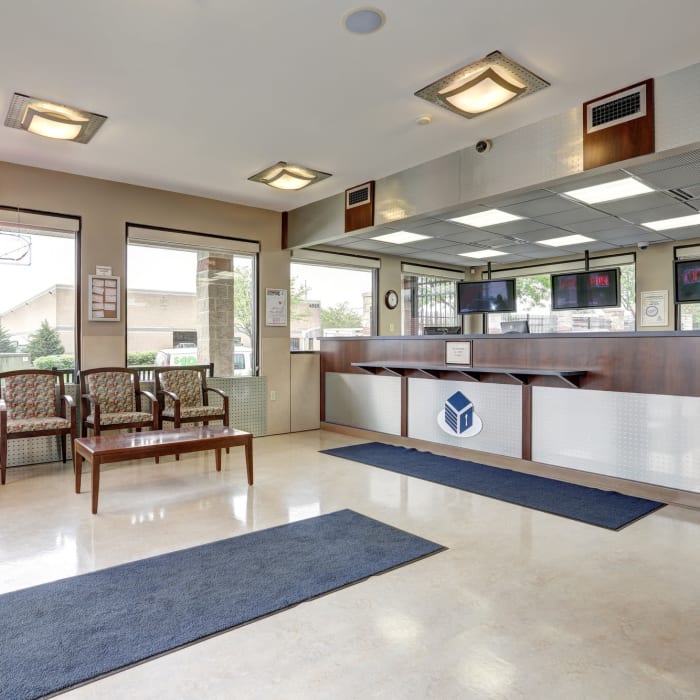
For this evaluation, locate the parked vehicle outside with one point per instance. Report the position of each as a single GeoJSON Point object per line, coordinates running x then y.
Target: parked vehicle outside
{"type": "Point", "coordinates": [181, 357]}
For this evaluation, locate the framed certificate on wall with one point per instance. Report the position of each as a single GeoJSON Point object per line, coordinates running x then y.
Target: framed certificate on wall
{"type": "Point", "coordinates": [103, 301]}
{"type": "Point", "coordinates": [458, 352]}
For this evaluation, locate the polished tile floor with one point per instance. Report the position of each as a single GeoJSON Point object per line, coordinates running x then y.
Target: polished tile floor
{"type": "Point", "coordinates": [522, 605]}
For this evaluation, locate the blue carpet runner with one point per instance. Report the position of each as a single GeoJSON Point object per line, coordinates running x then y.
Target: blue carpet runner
{"type": "Point", "coordinates": [607, 509]}
{"type": "Point", "coordinates": [64, 633]}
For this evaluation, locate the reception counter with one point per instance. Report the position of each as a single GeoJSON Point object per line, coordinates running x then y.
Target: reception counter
{"type": "Point", "coordinates": [620, 404]}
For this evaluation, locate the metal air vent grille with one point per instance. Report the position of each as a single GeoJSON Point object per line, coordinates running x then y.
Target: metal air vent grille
{"type": "Point", "coordinates": [357, 196]}
{"type": "Point", "coordinates": [616, 109]}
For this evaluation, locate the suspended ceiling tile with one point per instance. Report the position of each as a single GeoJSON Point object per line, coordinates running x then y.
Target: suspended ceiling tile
{"type": "Point", "coordinates": [631, 204]}
{"type": "Point", "coordinates": [442, 229]}
{"type": "Point", "coordinates": [430, 243]}
{"type": "Point", "coordinates": [520, 198]}
{"type": "Point", "coordinates": [514, 228]}
{"type": "Point", "coordinates": [572, 216]}
{"type": "Point", "coordinates": [591, 228]}
{"type": "Point", "coordinates": [472, 236]}
{"type": "Point", "coordinates": [681, 176]}
{"type": "Point", "coordinates": [540, 233]}
{"type": "Point", "coordinates": [542, 207]}
{"type": "Point", "coordinates": [660, 213]}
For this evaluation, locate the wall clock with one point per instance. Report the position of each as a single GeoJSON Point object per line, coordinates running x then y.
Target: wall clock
{"type": "Point", "coordinates": [391, 299]}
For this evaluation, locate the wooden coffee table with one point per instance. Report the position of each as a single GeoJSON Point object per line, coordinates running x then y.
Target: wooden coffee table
{"type": "Point", "coordinates": [104, 449]}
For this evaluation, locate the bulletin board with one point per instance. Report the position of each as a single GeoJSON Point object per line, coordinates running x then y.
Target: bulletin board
{"type": "Point", "coordinates": [104, 298]}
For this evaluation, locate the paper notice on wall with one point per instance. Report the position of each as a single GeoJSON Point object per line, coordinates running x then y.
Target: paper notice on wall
{"type": "Point", "coordinates": [275, 307]}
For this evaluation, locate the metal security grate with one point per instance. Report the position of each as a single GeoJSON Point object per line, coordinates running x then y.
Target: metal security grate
{"type": "Point", "coordinates": [433, 302]}
{"type": "Point", "coordinates": [616, 109]}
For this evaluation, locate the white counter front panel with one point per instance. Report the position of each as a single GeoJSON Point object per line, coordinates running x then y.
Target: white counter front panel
{"type": "Point", "coordinates": [497, 413]}
{"type": "Point", "coordinates": [364, 401]}
{"type": "Point", "coordinates": [644, 437]}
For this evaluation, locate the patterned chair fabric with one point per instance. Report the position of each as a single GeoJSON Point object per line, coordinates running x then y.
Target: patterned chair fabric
{"type": "Point", "coordinates": [187, 386]}
{"type": "Point", "coordinates": [116, 393]}
{"type": "Point", "coordinates": [33, 404]}
{"type": "Point", "coordinates": [190, 388]}
{"type": "Point", "coordinates": [30, 396]}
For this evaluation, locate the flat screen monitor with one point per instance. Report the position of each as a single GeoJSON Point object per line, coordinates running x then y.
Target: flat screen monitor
{"type": "Point", "coordinates": [486, 296]}
{"type": "Point", "coordinates": [442, 330]}
{"type": "Point", "coordinates": [595, 289]}
{"type": "Point", "coordinates": [687, 280]}
{"type": "Point", "coordinates": [515, 327]}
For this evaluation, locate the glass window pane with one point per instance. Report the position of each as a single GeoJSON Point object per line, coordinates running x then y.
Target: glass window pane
{"type": "Point", "coordinates": [37, 300]}
{"type": "Point", "coordinates": [188, 307]}
{"type": "Point", "coordinates": [329, 301]}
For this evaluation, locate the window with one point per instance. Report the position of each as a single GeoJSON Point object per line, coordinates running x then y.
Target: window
{"type": "Point", "coordinates": [191, 300]}
{"type": "Point", "coordinates": [330, 300]}
{"type": "Point", "coordinates": [37, 290]}
{"type": "Point", "coordinates": [534, 306]}
{"type": "Point", "coordinates": [429, 301]}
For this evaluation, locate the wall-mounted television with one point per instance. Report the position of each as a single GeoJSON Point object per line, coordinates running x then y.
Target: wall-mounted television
{"type": "Point", "coordinates": [687, 280]}
{"type": "Point", "coordinates": [486, 296]}
{"type": "Point", "coordinates": [595, 289]}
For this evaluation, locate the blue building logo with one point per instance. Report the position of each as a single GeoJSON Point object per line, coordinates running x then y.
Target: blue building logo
{"type": "Point", "coordinates": [458, 417]}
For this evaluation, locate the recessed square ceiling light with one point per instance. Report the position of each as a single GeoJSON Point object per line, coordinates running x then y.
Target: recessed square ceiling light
{"type": "Point", "coordinates": [490, 217]}
{"type": "Point", "coordinates": [482, 86]}
{"type": "Point", "coordinates": [608, 191]}
{"type": "Point", "coordinates": [676, 222]}
{"type": "Point", "coordinates": [52, 120]}
{"type": "Point", "coordinates": [400, 237]}
{"type": "Point", "coordinates": [574, 239]}
{"type": "Point", "coordinates": [286, 176]}
{"type": "Point", "coordinates": [484, 254]}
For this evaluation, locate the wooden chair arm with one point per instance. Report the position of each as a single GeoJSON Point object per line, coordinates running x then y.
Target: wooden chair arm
{"type": "Point", "coordinates": [3, 417]}
{"type": "Point", "coordinates": [69, 403]}
{"type": "Point", "coordinates": [149, 395]}
{"type": "Point", "coordinates": [224, 397]}
{"type": "Point", "coordinates": [171, 394]}
{"type": "Point", "coordinates": [155, 406]}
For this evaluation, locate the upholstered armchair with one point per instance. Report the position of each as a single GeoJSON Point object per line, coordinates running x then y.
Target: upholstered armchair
{"type": "Point", "coordinates": [111, 400]}
{"type": "Point", "coordinates": [184, 397]}
{"type": "Point", "coordinates": [33, 403]}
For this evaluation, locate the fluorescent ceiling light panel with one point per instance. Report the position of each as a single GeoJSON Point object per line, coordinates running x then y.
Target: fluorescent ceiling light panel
{"type": "Point", "coordinates": [484, 254]}
{"type": "Point", "coordinates": [574, 239]}
{"type": "Point", "coordinates": [482, 86]}
{"type": "Point", "coordinates": [286, 176]}
{"type": "Point", "coordinates": [609, 191]}
{"type": "Point", "coordinates": [490, 217]}
{"type": "Point", "coordinates": [400, 237]}
{"type": "Point", "coordinates": [677, 222]}
{"type": "Point", "coordinates": [55, 121]}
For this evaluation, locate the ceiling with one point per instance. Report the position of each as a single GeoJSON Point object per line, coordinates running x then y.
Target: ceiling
{"type": "Point", "coordinates": [202, 94]}
{"type": "Point", "coordinates": [548, 213]}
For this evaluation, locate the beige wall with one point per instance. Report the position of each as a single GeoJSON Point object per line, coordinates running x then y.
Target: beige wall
{"type": "Point", "coordinates": [105, 207]}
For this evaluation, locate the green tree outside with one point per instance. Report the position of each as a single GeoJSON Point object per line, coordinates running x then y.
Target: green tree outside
{"type": "Point", "coordinates": [44, 342]}
{"type": "Point", "coordinates": [6, 345]}
{"type": "Point", "coordinates": [340, 316]}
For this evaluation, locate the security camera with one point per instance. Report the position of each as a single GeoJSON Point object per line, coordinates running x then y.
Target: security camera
{"type": "Point", "coordinates": [642, 245]}
{"type": "Point", "coordinates": [483, 146]}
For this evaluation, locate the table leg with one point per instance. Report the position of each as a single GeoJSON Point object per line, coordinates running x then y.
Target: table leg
{"type": "Point", "coordinates": [249, 459]}
{"type": "Point", "coordinates": [218, 459]}
{"type": "Point", "coordinates": [95, 483]}
{"type": "Point", "coordinates": [78, 469]}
